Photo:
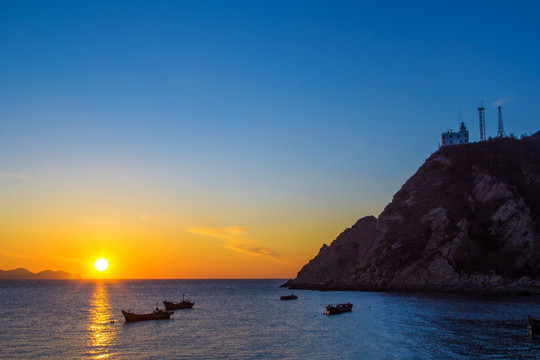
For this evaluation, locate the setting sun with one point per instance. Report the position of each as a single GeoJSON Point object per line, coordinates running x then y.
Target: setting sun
{"type": "Point", "coordinates": [101, 264]}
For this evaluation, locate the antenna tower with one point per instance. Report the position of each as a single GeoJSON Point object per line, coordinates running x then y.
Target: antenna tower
{"type": "Point", "coordinates": [500, 127]}
{"type": "Point", "coordinates": [482, 120]}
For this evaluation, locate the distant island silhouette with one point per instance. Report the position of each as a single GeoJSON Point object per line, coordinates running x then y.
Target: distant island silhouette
{"type": "Point", "coordinates": [22, 273]}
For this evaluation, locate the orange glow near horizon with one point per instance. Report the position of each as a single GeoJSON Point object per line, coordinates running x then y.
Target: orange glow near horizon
{"type": "Point", "coordinates": [144, 234]}
{"type": "Point", "coordinates": [177, 247]}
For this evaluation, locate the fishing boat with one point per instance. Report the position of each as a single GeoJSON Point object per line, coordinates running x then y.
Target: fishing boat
{"type": "Point", "coordinates": [338, 309]}
{"type": "Point", "coordinates": [288, 297]}
{"type": "Point", "coordinates": [533, 326]}
{"type": "Point", "coordinates": [157, 314]}
{"type": "Point", "coordinates": [184, 304]}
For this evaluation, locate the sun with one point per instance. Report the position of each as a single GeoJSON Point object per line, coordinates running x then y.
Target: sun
{"type": "Point", "coordinates": [101, 264]}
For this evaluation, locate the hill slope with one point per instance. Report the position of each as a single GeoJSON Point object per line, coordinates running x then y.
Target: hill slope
{"type": "Point", "coordinates": [468, 220]}
{"type": "Point", "coordinates": [22, 273]}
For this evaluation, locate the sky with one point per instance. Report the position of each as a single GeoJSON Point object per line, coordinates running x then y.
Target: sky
{"type": "Point", "coordinates": [231, 139]}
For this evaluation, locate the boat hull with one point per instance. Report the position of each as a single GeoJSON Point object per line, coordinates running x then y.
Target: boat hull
{"type": "Point", "coordinates": [533, 326]}
{"type": "Point", "coordinates": [338, 309]}
{"type": "Point", "coordinates": [156, 315]}
{"type": "Point", "coordinates": [288, 297]}
{"type": "Point", "coordinates": [178, 306]}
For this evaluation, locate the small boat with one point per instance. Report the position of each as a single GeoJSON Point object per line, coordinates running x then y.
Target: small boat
{"type": "Point", "coordinates": [338, 309]}
{"type": "Point", "coordinates": [184, 304]}
{"type": "Point", "coordinates": [533, 326]}
{"type": "Point", "coordinates": [157, 314]}
{"type": "Point", "coordinates": [288, 297]}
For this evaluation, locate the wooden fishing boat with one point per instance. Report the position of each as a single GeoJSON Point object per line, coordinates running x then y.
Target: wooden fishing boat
{"type": "Point", "coordinates": [155, 315]}
{"type": "Point", "coordinates": [184, 304]}
{"type": "Point", "coordinates": [338, 309]}
{"type": "Point", "coordinates": [288, 297]}
{"type": "Point", "coordinates": [533, 326]}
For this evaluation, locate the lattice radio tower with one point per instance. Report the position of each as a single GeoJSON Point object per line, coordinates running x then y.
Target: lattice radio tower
{"type": "Point", "coordinates": [500, 127]}
{"type": "Point", "coordinates": [482, 119]}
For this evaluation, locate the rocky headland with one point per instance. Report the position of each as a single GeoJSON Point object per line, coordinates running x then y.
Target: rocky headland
{"type": "Point", "coordinates": [467, 221]}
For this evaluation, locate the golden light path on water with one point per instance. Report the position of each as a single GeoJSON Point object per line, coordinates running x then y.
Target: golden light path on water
{"type": "Point", "coordinates": [101, 333]}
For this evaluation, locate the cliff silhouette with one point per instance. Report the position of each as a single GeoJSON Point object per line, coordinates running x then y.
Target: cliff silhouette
{"type": "Point", "coordinates": [467, 220]}
{"type": "Point", "coordinates": [21, 273]}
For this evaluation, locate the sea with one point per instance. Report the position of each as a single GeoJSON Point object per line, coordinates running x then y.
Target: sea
{"type": "Point", "coordinates": [245, 319]}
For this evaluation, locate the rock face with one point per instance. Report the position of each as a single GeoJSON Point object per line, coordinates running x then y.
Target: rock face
{"type": "Point", "coordinates": [468, 220]}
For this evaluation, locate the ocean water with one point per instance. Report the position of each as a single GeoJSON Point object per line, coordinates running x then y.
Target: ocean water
{"type": "Point", "coordinates": [244, 319]}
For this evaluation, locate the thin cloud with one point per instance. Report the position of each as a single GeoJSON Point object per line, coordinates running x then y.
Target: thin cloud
{"type": "Point", "coordinates": [13, 176]}
{"type": "Point", "coordinates": [18, 255]}
{"type": "Point", "coordinates": [232, 238]}
{"type": "Point", "coordinates": [502, 100]}
{"type": "Point", "coordinates": [66, 259]}
{"type": "Point", "coordinates": [227, 232]}
{"type": "Point", "coordinates": [255, 251]}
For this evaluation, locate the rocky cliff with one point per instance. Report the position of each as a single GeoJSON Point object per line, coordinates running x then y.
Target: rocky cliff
{"type": "Point", "coordinates": [468, 220]}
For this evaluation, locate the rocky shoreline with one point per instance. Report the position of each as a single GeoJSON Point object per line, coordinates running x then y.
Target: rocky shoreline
{"type": "Point", "coordinates": [480, 285]}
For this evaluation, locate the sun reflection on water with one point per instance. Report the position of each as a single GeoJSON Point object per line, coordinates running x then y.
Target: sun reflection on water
{"type": "Point", "coordinates": [100, 329]}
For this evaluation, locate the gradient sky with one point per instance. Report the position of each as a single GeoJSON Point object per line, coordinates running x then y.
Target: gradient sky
{"type": "Point", "coordinates": [231, 139]}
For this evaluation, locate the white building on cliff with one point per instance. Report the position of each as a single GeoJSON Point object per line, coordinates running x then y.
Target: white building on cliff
{"type": "Point", "coordinates": [455, 138]}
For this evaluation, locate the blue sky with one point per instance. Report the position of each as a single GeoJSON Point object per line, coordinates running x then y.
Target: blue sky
{"type": "Point", "coordinates": [250, 113]}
